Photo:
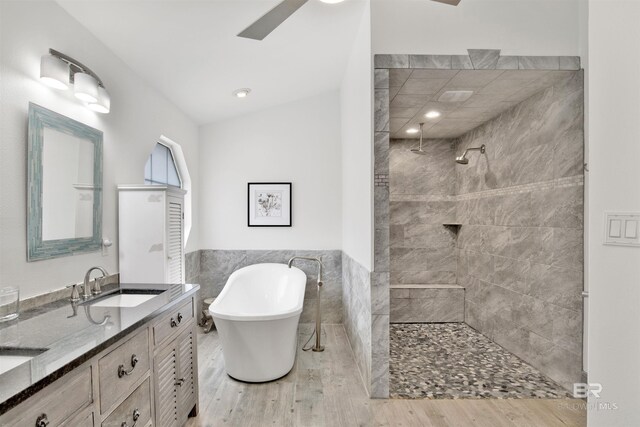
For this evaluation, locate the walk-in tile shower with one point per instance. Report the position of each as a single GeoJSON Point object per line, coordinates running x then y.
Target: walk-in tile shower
{"type": "Point", "coordinates": [485, 229]}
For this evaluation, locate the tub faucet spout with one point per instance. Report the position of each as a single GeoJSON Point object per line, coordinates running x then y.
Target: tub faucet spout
{"type": "Point", "coordinates": [318, 330]}
{"type": "Point", "coordinates": [308, 258]}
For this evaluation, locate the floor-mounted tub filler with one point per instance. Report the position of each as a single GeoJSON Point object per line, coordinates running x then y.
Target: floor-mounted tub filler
{"type": "Point", "coordinates": [257, 315]}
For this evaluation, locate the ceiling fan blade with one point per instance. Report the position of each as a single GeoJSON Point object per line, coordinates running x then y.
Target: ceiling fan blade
{"type": "Point", "coordinates": [271, 20]}
{"type": "Point", "coordinates": [451, 2]}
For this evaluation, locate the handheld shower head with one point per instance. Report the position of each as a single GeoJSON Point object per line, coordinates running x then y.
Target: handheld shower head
{"type": "Point", "coordinates": [463, 159]}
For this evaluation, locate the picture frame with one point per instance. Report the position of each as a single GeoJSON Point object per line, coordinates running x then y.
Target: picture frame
{"type": "Point", "coordinates": [269, 204]}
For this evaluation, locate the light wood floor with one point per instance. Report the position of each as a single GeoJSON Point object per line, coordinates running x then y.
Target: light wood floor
{"type": "Point", "coordinates": [325, 389]}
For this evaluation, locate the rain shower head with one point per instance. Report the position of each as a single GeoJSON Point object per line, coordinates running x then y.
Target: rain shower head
{"type": "Point", "coordinates": [463, 159]}
{"type": "Point", "coordinates": [419, 150]}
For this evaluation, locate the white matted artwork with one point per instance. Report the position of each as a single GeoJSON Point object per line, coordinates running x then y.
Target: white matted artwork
{"type": "Point", "coordinates": [269, 204]}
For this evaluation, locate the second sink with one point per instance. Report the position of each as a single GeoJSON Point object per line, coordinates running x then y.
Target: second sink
{"type": "Point", "coordinates": [11, 357]}
{"type": "Point", "coordinates": [124, 298]}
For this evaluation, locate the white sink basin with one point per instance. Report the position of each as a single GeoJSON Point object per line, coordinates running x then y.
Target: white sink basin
{"type": "Point", "coordinates": [12, 357]}
{"type": "Point", "coordinates": [7, 363]}
{"type": "Point", "coordinates": [124, 300]}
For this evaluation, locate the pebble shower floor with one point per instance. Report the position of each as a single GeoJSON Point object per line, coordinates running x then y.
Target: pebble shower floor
{"type": "Point", "coordinates": [453, 361]}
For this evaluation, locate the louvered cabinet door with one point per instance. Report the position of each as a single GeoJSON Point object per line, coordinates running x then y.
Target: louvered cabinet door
{"type": "Point", "coordinates": [187, 373]}
{"type": "Point", "coordinates": [166, 390]}
{"type": "Point", "coordinates": [175, 242]}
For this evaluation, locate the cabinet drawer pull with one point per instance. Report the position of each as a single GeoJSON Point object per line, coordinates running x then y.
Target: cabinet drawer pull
{"type": "Point", "coordinates": [122, 372]}
{"type": "Point", "coordinates": [136, 415]}
{"type": "Point", "coordinates": [42, 421]}
{"type": "Point", "coordinates": [173, 321]}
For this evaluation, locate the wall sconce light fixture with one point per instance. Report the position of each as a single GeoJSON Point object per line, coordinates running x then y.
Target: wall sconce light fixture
{"type": "Point", "coordinates": [59, 71]}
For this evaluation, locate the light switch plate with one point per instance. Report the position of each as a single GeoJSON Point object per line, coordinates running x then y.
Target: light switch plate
{"type": "Point", "coordinates": [622, 228]}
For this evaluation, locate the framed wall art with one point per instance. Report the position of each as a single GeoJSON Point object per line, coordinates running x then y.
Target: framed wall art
{"type": "Point", "coordinates": [269, 204]}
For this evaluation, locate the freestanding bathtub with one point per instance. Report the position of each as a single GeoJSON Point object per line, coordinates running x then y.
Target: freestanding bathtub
{"type": "Point", "coordinates": [257, 315]}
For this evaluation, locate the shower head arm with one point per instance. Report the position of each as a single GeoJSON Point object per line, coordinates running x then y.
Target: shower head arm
{"type": "Point", "coordinates": [482, 149]}
{"type": "Point", "coordinates": [463, 159]}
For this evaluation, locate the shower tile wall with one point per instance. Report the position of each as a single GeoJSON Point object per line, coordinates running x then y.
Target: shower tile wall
{"type": "Point", "coordinates": [423, 250]}
{"type": "Point", "coordinates": [422, 198]}
{"type": "Point", "coordinates": [521, 243]}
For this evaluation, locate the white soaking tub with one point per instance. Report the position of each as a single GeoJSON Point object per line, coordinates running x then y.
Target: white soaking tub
{"type": "Point", "coordinates": [257, 315]}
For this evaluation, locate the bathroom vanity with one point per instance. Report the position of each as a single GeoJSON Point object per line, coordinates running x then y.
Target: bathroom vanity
{"type": "Point", "coordinates": [127, 357]}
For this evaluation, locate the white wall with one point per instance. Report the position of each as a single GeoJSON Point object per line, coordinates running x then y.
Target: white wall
{"type": "Point", "coordinates": [298, 142]}
{"type": "Point", "coordinates": [522, 27]}
{"type": "Point", "coordinates": [139, 115]}
{"type": "Point", "coordinates": [356, 106]}
{"type": "Point", "coordinates": [614, 177]}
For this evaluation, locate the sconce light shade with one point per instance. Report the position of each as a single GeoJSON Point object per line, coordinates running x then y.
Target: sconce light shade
{"type": "Point", "coordinates": [103, 104]}
{"type": "Point", "coordinates": [54, 72]}
{"type": "Point", "coordinates": [59, 71]}
{"type": "Point", "coordinates": [85, 87]}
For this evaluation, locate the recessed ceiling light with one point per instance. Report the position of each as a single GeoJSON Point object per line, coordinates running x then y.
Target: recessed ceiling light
{"type": "Point", "coordinates": [412, 130]}
{"type": "Point", "coordinates": [332, 1]}
{"type": "Point", "coordinates": [242, 93]}
{"type": "Point", "coordinates": [433, 114]}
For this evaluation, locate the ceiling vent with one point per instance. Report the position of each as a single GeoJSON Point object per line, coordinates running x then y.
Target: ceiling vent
{"type": "Point", "coordinates": [455, 96]}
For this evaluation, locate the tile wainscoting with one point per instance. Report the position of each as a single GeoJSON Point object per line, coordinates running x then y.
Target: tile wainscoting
{"type": "Point", "coordinates": [356, 297]}
{"type": "Point", "coordinates": [366, 321]}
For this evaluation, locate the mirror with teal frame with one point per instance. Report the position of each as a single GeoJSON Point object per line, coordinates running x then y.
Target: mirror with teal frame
{"type": "Point", "coordinates": [64, 186]}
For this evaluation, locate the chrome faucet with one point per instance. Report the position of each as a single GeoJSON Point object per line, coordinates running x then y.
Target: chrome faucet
{"type": "Point", "coordinates": [318, 330]}
{"type": "Point", "coordinates": [96, 286]}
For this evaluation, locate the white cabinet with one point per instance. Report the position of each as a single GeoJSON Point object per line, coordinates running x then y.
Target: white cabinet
{"type": "Point", "coordinates": [151, 234]}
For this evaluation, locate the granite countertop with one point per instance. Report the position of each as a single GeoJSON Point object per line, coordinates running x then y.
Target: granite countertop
{"type": "Point", "coordinates": [61, 336]}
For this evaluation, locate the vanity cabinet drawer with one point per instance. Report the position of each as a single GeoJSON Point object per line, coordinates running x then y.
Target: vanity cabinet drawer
{"type": "Point", "coordinates": [84, 419]}
{"type": "Point", "coordinates": [135, 410]}
{"type": "Point", "coordinates": [55, 404]}
{"type": "Point", "coordinates": [175, 320]}
{"type": "Point", "coordinates": [122, 368]}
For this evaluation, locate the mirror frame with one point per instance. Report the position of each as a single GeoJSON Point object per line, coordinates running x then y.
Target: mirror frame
{"type": "Point", "coordinates": [37, 249]}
